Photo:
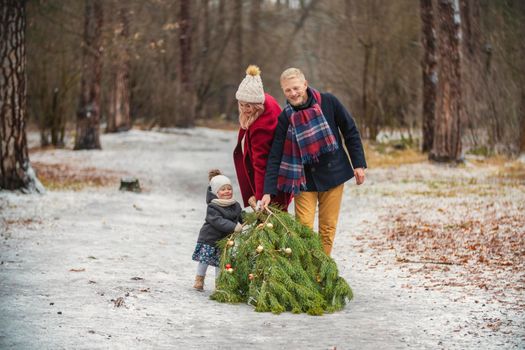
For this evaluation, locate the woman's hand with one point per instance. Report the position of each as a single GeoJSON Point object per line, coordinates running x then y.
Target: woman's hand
{"type": "Point", "coordinates": [252, 202]}
{"type": "Point", "coordinates": [265, 201]}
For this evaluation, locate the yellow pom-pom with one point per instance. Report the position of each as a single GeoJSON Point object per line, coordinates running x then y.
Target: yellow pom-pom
{"type": "Point", "coordinates": [253, 70]}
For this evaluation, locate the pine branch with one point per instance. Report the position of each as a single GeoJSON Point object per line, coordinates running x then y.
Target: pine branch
{"type": "Point", "coordinates": [276, 264]}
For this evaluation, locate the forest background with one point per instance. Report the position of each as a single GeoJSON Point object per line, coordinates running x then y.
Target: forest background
{"type": "Point", "coordinates": [179, 63]}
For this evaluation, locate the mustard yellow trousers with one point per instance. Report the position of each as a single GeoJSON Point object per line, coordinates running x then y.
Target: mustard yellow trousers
{"type": "Point", "coordinates": [329, 206]}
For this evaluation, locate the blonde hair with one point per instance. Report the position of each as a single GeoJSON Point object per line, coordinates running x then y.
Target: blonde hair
{"type": "Point", "coordinates": [292, 73]}
{"type": "Point", "coordinates": [246, 120]}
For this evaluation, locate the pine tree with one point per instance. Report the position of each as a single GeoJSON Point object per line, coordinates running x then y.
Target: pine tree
{"type": "Point", "coordinates": [276, 264]}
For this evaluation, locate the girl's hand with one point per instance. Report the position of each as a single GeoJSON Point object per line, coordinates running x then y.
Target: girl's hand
{"type": "Point", "coordinates": [252, 202]}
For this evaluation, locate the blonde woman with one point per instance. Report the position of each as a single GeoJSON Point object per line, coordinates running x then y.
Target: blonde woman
{"type": "Point", "coordinates": [258, 112]}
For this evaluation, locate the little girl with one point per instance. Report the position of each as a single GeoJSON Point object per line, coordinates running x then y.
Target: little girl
{"type": "Point", "coordinates": [223, 217]}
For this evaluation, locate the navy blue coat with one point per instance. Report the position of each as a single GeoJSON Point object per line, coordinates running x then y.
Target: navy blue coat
{"type": "Point", "coordinates": [219, 222]}
{"type": "Point", "coordinates": [334, 168]}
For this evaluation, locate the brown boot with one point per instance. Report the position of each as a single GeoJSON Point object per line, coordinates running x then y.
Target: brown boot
{"type": "Point", "coordinates": [199, 283]}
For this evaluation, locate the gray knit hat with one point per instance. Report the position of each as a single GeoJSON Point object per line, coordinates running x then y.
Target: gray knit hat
{"type": "Point", "coordinates": [251, 87]}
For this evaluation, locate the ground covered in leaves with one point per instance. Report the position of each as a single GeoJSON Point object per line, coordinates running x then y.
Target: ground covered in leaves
{"type": "Point", "coordinates": [460, 228]}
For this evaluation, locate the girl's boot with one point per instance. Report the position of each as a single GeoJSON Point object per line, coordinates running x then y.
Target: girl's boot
{"type": "Point", "coordinates": [199, 283]}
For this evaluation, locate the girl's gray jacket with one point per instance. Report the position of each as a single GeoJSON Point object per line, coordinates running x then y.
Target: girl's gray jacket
{"type": "Point", "coordinates": [219, 222]}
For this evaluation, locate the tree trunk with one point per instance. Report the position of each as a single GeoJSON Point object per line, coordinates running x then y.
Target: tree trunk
{"type": "Point", "coordinates": [185, 85]}
{"type": "Point", "coordinates": [206, 26]}
{"type": "Point", "coordinates": [374, 118]}
{"type": "Point", "coordinates": [15, 169]}
{"type": "Point", "coordinates": [255, 18]}
{"type": "Point", "coordinates": [57, 120]}
{"type": "Point", "coordinates": [238, 62]}
{"type": "Point", "coordinates": [430, 75]}
{"type": "Point", "coordinates": [447, 132]}
{"type": "Point", "coordinates": [470, 25]}
{"type": "Point", "coordinates": [237, 22]}
{"type": "Point", "coordinates": [221, 19]}
{"type": "Point", "coordinates": [119, 118]}
{"type": "Point", "coordinates": [522, 123]}
{"type": "Point", "coordinates": [88, 113]}
{"type": "Point", "coordinates": [211, 70]}
{"type": "Point", "coordinates": [299, 24]}
{"type": "Point", "coordinates": [365, 121]}
{"type": "Point", "coordinates": [43, 109]}
{"type": "Point", "coordinates": [203, 75]}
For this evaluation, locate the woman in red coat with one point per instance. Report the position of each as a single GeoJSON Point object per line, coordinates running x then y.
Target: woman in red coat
{"type": "Point", "coordinates": [258, 114]}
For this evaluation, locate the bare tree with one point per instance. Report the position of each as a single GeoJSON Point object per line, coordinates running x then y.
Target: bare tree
{"type": "Point", "coordinates": [299, 23]}
{"type": "Point", "coordinates": [369, 99]}
{"type": "Point", "coordinates": [367, 52]}
{"type": "Point", "coordinates": [186, 96]}
{"type": "Point", "coordinates": [430, 74]}
{"type": "Point", "coordinates": [237, 23]}
{"type": "Point", "coordinates": [202, 66]}
{"type": "Point", "coordinates": [214, 64]}
{"type": "Point", "coordinates": [255, 19]}
{"type": "Point", "coordinates": [88, 113]}
{"type": "Point", "coordinates": [470, 24]}
{"type": "Point", "coordinates": [447, 132]}
{"type": "Point", "coordinates": [522, 122]}
{"type": "Point", "coordinates": [15, 169]}
{"type": "Point", "coordinates": [237, 63]}
{"type": "Point", "coordinates": [119, 118]}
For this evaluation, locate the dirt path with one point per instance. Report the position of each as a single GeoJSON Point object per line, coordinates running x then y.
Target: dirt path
{"type": "Point", "coordinates": [68, 256]}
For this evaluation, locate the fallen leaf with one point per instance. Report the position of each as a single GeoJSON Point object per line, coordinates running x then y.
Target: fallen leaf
{"type": "Point", "coordinates": [119, 302]}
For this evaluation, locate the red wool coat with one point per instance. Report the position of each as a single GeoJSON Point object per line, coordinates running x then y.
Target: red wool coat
{"type": "Point", "coordinates": [250, 164]}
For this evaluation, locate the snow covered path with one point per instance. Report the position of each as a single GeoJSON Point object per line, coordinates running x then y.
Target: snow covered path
{"type": "Point", "coordinates": [66, 255]}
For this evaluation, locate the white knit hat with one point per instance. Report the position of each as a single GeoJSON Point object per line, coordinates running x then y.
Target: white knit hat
{"type": "Point", "coordinates": [251, 87]}
{"type": "Point", "coordinates": [218, 181]}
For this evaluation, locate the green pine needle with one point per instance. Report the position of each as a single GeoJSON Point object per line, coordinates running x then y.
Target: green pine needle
{"type": "Point", "coordinates": [291, 273]}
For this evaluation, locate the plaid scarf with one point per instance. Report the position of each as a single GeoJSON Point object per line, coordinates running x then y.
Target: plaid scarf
{"type": "Point", "coordinates": [308, 137]}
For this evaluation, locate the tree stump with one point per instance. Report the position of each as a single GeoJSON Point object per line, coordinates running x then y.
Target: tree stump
{"type": "Point", "coordinates": [130, 184]}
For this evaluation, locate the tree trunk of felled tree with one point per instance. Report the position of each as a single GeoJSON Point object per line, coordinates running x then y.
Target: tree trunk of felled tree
{"type": "Point", "coordinates": [185, 98]}
{"type": "Point", "coordinates": [119, 118]}
{"type": "Point", "coordinates": [430, 75]}
{"type": "Point", "coordinates": [88, 113]}
{"type": "Point", "coordinates": [15, 169]}
{"type": "Point", "coordinates": [446, 146]}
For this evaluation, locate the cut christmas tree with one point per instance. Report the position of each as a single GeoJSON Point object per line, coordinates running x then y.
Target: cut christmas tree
{"type": "Point", "coordinates": [276, 264]}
